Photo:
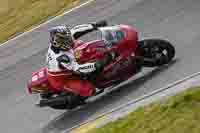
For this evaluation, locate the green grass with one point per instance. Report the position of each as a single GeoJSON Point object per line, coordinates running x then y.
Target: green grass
{"type": "Point", "coordinates": [16, 16]}
{"type": "Point", "coordinates": [178, 114]}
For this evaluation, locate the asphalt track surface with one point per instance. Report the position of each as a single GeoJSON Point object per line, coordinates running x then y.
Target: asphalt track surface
{"type": "Point", "coordinates": [175, 20]}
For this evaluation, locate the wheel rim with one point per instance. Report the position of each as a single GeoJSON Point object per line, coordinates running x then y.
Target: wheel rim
{"type": "Point", "coordinates": [160, 54]}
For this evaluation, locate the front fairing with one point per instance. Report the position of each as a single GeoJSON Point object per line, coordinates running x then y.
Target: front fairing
{"type": "Point", "coordinates": [121, 38]}
{"type": "Point", "coordinates": [111, 35]}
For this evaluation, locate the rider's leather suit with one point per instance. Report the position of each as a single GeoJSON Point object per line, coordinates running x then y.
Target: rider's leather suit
{"type": "Point", "coordinates": [62, 64]}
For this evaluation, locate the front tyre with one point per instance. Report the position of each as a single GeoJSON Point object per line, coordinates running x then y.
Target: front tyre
{"type": "Point", "coordinates": [156, 52]}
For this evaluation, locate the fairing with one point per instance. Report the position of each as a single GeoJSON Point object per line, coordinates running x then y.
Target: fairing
{"type": "Point", "coordinates": [39, 82]}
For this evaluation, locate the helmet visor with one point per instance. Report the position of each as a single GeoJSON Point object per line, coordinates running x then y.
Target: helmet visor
{"type": "Point", "coordinates": [64, 42]}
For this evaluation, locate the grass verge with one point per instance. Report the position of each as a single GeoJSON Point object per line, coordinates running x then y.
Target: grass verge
{"type": "Point", "coordinates": [16, 16]}
{"type": "Point", "coordinates": [178, 114]}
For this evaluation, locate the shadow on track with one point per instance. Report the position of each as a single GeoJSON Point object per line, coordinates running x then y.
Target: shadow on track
{"type": "Point", "coordinates": [72, 118]}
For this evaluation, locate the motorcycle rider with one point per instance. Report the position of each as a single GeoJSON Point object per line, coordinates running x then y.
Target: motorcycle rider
{"type": "Point", "coordinates": [61, 59]}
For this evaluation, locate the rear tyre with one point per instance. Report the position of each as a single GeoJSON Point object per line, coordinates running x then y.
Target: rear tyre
{"type": "Point", "coordinates": [156, 52]}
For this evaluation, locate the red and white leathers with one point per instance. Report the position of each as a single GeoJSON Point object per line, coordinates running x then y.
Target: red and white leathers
{"type": "Point", "coordinates": [59, 73]}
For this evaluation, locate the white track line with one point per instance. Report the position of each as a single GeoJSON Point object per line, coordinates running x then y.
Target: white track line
{"type": "Point", "coordinates": [73, 9]}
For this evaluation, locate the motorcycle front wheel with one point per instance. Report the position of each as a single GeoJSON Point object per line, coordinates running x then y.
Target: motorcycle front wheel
{"type": "Point", "coordinates": [156, 52]}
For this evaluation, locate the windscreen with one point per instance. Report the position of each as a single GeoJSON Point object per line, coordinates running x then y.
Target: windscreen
{"type": "Point", "coordinates": [111, 34]}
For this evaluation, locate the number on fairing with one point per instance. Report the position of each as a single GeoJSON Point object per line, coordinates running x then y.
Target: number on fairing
{"type": "Point", "coordinates": [37, 77]}
{"type": "Point", "coordinates": [41, 74]}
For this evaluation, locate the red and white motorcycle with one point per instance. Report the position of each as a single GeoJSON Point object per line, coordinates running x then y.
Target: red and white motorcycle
{"type": "Point", "coordinates": [132, 55]}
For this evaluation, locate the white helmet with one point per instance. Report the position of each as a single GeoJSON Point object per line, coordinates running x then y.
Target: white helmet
{"type": "Point", "coordinates": [61, 38]}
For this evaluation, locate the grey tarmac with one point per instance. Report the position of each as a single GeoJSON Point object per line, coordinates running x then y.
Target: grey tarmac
{"type": "Point", "coordinates": [175, 20]}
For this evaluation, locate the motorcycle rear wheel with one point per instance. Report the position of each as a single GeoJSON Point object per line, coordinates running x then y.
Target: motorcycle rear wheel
{"type": "Point", "coordinates": [156, 52]}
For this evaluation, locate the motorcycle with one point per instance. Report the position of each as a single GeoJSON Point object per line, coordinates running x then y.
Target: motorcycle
{"type": "Point", "coordinates": [131, 56]}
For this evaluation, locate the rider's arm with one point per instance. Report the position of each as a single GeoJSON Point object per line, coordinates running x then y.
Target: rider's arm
{"type": "Point", "coordinates": [65, 62]}
{"type": "Point", "coordinates": [83, 29]}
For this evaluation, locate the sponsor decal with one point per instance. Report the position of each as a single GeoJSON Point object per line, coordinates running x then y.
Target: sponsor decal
{"type": "Point", "coordinates": [87, 67]}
